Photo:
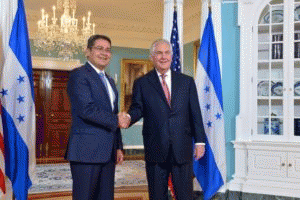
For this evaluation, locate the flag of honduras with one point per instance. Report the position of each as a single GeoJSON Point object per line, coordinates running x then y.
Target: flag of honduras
{"type": "Point", "coordinates": [210, 170]}
{"type": "Point", "coordinates": [17, 98]}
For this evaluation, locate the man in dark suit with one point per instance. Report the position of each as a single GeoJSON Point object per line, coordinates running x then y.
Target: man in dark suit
{"type": "Point", "coordinates": [168, 102]}
{"type": "Point", "coordinates": [95, 143]}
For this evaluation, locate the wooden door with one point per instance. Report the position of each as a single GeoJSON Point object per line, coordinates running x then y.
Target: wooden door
{"type": "Point", "coordinates": [53, 115]}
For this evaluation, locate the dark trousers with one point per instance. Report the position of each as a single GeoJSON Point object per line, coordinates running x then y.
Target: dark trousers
{"type": "Point", "coordinates": [158, 175]}
{"type": "Point", "coordinates": [93, 181]}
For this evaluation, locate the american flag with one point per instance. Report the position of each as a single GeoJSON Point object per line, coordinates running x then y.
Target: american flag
{"type": "Point", "coordinates": [175, 66]}
{"type": "Point", "coordinates": [17, 102]}
{"type": "Point", "coordinates": [2, 169]}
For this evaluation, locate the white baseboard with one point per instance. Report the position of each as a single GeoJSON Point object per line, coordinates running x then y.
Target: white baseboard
{"type": "Point", "coordinates": [265, 187]}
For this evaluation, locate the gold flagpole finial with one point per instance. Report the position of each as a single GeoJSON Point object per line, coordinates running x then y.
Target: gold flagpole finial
{"type": "Point", "coordinates": [209, 5]}
{"type": "Point", "coordinates": [175, 5]}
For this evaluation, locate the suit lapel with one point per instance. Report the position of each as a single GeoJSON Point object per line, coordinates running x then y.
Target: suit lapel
{"type": "Point", "coordinates": [175, 81]}
{"type": "Point", "coordinates": [154, 80]}
{"type": "Point", "coordinates": [96, 79]}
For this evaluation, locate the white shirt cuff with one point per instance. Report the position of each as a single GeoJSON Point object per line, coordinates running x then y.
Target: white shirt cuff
{"type": "Point", "coordinates": [199, 143]}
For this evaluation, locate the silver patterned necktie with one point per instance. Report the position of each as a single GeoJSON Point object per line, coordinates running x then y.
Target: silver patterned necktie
{"type": "Point", "coordinates": [102, 76]}
{"type": "Point", "coordinates": [105, 81]}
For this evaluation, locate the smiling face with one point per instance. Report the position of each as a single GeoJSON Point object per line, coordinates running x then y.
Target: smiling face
{"type": "Point", "coordinates": [99, 54]}
{"type": "Point", "coordinates": [162, 57]}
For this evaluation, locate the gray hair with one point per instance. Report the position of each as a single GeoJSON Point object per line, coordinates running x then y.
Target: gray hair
{"type": "Point", "coordinates": [159, 41]}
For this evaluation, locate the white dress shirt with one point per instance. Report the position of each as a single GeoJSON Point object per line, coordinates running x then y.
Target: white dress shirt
{"type": "Point", "coordinates": [112, 96]}
{"type": "Point", "coordinates": [167, 79]}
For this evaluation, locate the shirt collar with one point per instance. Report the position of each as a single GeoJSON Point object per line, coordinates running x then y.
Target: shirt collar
{"type": "Point", "coordinates": [168, 73]}
{"type": "Point", "coordinates": [96, 69]}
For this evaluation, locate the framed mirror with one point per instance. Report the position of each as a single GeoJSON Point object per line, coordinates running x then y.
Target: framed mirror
{"type": "Point", "coordinates": [131, 69]}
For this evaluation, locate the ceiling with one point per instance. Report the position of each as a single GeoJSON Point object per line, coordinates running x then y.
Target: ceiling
{"type": "Point", "coordinates": [129, 23]}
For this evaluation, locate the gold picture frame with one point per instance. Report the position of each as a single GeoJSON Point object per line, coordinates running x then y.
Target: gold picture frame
{"type": "Point", "coordinates": [195, 52]}
{"type": "Point", "coordinates": [131, 69]}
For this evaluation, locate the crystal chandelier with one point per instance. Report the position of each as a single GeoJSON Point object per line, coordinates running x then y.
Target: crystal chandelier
{"type": "Point", "coordinates": [66, 38]}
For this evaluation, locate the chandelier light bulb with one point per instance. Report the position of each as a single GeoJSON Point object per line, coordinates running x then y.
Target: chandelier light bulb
{"type": "Point", "coordinates": [83, 22]}
{"type": "Point", "coordinates": [53, 12]}
{"type": "Point", "coordinates": [43, 14]}
{"type": "Point", "coordinates": [88, 19]}
{"type": "Point", "coordinates": [47, 19]}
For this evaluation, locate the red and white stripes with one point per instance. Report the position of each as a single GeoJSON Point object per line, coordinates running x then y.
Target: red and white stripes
{"type": "Point", "coordinates": [2, 156]}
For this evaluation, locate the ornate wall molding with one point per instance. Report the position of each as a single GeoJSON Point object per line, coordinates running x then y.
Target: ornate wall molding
{"type": "Point", "coordinates": [54, 63]}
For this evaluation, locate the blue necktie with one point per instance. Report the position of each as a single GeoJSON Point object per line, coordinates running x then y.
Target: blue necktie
{"type": "Point", "coordinates": [102, 76]}
{"type": "Point", "coordinates": [104, 80]}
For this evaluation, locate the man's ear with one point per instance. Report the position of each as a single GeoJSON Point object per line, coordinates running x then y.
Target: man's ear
{"type": "Point", "coordinates": [150, 58]}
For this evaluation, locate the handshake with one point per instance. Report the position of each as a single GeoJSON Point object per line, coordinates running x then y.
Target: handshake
{"type": "Point", "coordinates": [124, 120]}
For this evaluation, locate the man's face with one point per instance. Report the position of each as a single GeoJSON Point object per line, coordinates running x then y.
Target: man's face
{"type": "Point", "coordinates": [100, 54]}
{"type": "Point", "coordinates": [162, 57]}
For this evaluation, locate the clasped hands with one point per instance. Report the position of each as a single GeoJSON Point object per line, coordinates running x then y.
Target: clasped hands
{"type": "Point", "coordinates": [124, 120]}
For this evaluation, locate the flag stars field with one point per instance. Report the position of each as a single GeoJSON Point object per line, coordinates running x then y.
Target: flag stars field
{"type": "Point", "coordinates": [4, 92]}
{"type": "Point", "coordinates": [176, 65]}
{"type": "Point", "coordinates": [209, 124]}
{"type": "Point", "coordinates": [206, 89]}
{"type": "Point", "coordinates": [21, 79]}
{"type": "Point", "coordinates": [21, 118]}
{"type": "Point", "coordinates": [20, 99]}
{"type": "Point", "coordinates": [207, 106]}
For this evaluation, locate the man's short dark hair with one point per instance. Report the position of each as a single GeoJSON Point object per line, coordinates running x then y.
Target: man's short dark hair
{"type": "Point", "coordinates": [93, 39]}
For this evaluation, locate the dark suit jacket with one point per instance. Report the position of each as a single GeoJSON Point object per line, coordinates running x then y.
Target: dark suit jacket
{"type": "Point", "coordinates": [94, 134]}
{"type": "Point", "coordinates": [163, 125]}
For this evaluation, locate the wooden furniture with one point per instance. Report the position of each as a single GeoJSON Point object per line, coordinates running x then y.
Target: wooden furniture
{"type": "Point", "coordinates": [53, 115]}
{"type": "Point", "coordinates": [267, 148]}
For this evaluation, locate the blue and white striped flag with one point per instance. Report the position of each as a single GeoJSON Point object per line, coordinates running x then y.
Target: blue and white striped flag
{"type": "Point", "coordinates": [175, 65]}
{"type": "Point", "coordinates": [211, 169]}
{"type": "Point", "coordinates": [17, 98]}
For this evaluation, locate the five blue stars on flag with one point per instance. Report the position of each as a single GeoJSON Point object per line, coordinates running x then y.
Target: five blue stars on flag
{"type": "Point", "coordinates": [208, 107]}
{"type": "Point", "coordinates": [20, 99]}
